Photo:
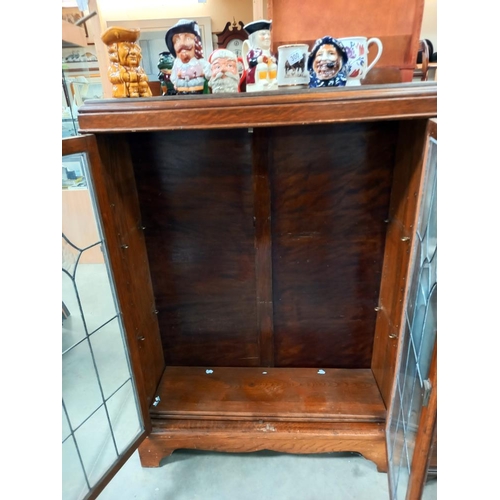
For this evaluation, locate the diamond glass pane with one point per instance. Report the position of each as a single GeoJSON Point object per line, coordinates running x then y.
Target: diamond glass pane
{"type": "Point", "coordinates": [410, 381]}
{"type": "Point", "coordinates": [429, 335]}
{"type": "Point", "coordinates": [96, 295]}
{"type": "Point", "coordinates": [404, 475]}
{"type": "Point", "coordinates": [428, 189]}
{"type": "Point", "coordinates": [66, 429]}
{"type": "Point", "coordinates": [102, 416]}
{"type": "Point", "coordinates": [96, 445]}
{"type": "Point", "coordinates": [393, 419]}
{"type": "Point", "coordinates": [110, 357]}
{"type": "Point", "coordinates": [73, 327]}
{"type": "Point", "coordinates": [399, 440]}
{"type": "Point", "coordinates": [80, 385]}
{"type": "Point", "coordinates": [70, 256]}
{"type": "Point", "coordinates": [74, 484]}
{"type": "Point", "coordinates": [420, 331]}
{"type": "Point", "coordinates": [124, 418]}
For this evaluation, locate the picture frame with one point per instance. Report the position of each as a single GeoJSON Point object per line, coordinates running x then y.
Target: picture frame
{"type": "Point", "coordinates": [152, 39]}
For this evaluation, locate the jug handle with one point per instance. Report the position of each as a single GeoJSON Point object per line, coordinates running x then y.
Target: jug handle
{"type": "Point", "coordinates": [378, 43]}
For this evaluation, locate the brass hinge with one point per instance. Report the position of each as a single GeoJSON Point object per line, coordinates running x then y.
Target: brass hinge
{"type": "Point", "coordinates": [427, 392]}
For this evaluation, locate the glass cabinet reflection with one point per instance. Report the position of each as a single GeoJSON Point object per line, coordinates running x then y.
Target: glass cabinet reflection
{"type": "Point", "coordinates": [100, 411]}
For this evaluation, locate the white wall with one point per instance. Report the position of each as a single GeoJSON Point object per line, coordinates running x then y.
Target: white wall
{"type": "Point", "coordinates": [220, 11]}
{"type": "Point", "coordinates": [429, 23]}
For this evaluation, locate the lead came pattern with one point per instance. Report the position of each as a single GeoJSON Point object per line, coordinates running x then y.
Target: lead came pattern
{"type": "Point", "coordinates": [420, 333]}
{"type": "Point", "coordinates": [100, 412]}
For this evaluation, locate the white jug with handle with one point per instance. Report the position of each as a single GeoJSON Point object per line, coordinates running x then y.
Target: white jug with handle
{"type": "Point", "coordinates": [357, 48]}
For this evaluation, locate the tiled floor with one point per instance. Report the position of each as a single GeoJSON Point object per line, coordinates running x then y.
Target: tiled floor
{"type": "Point", "coordinates": [192, 475]}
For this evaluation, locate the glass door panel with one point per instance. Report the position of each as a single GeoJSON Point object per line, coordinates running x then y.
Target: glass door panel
{"type": "Point", "coordinates": [419, 336]}
{"type": "Point", "coordinates": [101, 416]}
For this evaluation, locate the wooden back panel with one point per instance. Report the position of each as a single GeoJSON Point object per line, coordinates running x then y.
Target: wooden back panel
{"type": "Point", "coordinates": [329, 199]}
{"type": "Point", "coordinates": [330, 202]}
{"type": "Point", "coordinates": [396, 22]}
{"type": "Point", "coordinates": [363, 133]}
{"type": "Point", "coordinates": [196, 195]}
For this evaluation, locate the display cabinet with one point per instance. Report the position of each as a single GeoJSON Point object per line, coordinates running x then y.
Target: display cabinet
{"type": "Point", "coordinates": [261, 247]}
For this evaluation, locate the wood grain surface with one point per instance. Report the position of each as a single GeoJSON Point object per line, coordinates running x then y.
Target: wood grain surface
{"type": "Point", "coordinates": [272, 108]}
{"type": "Point", "coordinates": [197, 204]}
{"type": "Point", "coordinates": [291, 394]}
{"type": "Point", "coordinates": [245, 437]}
{"type": "Point", "coordinates": [331, 187]}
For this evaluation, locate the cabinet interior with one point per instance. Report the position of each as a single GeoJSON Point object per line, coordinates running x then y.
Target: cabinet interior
{"type": "Point", "coordinates": [260, 247]}
{"type": "Point", "coordinates": [266, 254]}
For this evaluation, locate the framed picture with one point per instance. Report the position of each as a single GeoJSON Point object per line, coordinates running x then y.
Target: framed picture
{"type": "Point", "coordinates": [152, 39]}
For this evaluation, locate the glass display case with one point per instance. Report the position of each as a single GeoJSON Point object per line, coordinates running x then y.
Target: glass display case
{"type": "Point", "coordinates": [81, 80]}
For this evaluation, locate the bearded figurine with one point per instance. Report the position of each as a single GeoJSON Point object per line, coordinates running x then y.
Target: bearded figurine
{"type": "Point", "coordinates": [190, 71]}
{"type": "Point", "coordinates": [224, 68]}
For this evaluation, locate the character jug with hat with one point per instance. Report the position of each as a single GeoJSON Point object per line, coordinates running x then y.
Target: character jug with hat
{"type": "Point", "coordinates": [327, 63]}
{"type": "Point", "coordinates": [259, 62]}
{"type": "Point", "coordinates": [124, 71]}
{"type": "Point", "coordinates": [190, 71]}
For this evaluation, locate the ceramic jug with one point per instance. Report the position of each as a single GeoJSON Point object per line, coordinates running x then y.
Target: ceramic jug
{"type": "Point", "coordinates": [260, 71]}
{"type": "Point", "coordinates": [292, 65]}
{"type": "Point", "coordinates": [357, 49]}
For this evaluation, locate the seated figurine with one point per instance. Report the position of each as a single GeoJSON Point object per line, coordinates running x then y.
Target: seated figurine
{"type": "Point", "coordinates": [327, 63]}
{"type": "Point", "coordinates": [190, 71]}
{"type": "Point", "coordinates": [259, 62]}
{"type": "Point", "coordinates": [127, 77]}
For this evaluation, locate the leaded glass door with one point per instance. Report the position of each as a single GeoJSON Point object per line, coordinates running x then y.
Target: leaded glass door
{"type": "Point", "coordinates": [412, 416]}
{"type": "Point", "coordinates": [102, 420]}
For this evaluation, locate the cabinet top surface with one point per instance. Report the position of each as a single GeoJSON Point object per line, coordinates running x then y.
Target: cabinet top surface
{"type": "Point", "coordinates": [264, 109]}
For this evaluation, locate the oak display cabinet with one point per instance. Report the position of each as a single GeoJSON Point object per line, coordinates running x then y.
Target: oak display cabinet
{"type": "Point", "coordinates": [260, 247]}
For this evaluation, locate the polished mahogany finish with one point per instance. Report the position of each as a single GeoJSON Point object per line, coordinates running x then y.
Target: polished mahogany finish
{"type": "Point", "coordinates": [243, 437]}
{"type": "Point", "coordinates": [269, 233]}
{"type": "Point", "coordinates": [273, 394]}
{"type": "Point", "coordinates": [286, 107]}
{"type": "Point", "coordinates": [197, 205]}
{"type": "Point", "coordinates": [331, 188]}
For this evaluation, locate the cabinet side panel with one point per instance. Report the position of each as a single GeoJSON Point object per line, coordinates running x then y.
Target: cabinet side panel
{"type": "Point", "coordinates": [330, 200]}
{"type": "Point", "coordinates": [196, 195]}
{"type": "Point", "coordinates": [118, 204]}
{"type": "Point", "coordinates": [403, 207]}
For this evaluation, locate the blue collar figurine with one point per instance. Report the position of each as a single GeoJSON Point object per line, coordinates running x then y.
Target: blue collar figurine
{"type": "Point", "coordinates": [327, 63]}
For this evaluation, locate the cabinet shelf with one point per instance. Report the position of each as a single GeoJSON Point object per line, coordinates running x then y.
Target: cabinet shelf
{"type": "Point", "coordinates": [272, 394]}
